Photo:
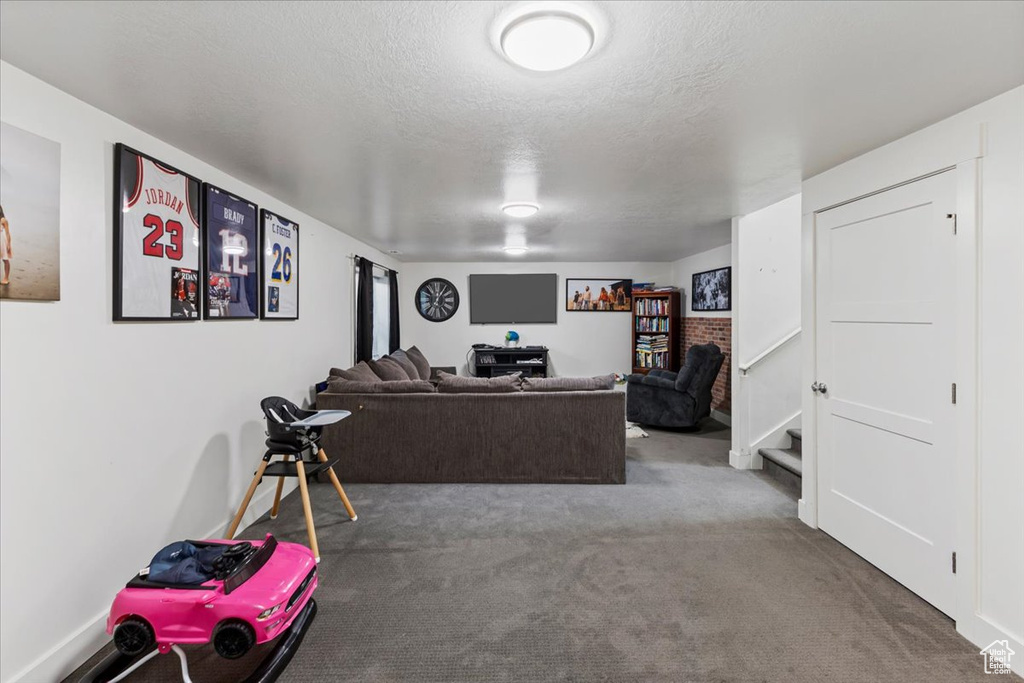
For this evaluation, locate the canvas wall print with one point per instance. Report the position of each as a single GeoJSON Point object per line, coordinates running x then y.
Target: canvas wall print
{"type": "Point", "coordinates": [29, 216]}
{"type": "Point", "coordinates": [598, 294]}
{"type": "Point", "coordinates": [156, 237]}
{"type": "Point", "coordinates": [232, 264]}
{"type": "Point", "coordinates": [712, 290]}
{"type": "Point", "coordinates": [280, 267]}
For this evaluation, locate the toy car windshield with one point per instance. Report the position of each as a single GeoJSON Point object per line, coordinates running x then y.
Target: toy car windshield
{"type": "Point", "coordinates": [249, 565]}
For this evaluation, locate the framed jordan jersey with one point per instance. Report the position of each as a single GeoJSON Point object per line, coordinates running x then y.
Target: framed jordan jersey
{"type": "Point", "coordinates": [280, 291]}
{"type": "Point", "coordinates": [231, 272]}
{"type": "Point", "coordinates": [156, 239]}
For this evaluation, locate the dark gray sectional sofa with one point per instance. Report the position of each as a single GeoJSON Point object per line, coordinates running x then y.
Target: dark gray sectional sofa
{"type": "Point", "coordinates": [564, 437]}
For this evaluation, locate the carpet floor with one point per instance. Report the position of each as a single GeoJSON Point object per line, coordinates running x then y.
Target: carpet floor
{"type": "Point", "coordinates": [693, 571]}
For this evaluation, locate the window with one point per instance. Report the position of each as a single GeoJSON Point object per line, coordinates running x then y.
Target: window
{"type": "Point", "coordinates": [381, 314]}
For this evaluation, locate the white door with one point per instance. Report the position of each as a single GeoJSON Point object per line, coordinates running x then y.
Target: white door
{"type": "Point", "coordinates": [885, 353]}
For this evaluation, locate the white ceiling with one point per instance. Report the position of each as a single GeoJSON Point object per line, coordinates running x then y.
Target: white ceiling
{"type": "Point", "coordinates": [398, 123]}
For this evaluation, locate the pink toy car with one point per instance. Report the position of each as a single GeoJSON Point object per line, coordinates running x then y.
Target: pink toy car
{"type": "Point", "coordinates": [264, 586]}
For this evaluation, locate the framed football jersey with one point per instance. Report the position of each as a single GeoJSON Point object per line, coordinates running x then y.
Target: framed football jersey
{"type": "Point", "coordinates": [231, 268]}
{"type": "Point", "coordinates": [280, 292]}
{"type": "Point", "coordinates": [156, 239]}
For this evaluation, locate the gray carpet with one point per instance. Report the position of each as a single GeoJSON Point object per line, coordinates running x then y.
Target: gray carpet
{"type": "Point", "coordinates": [693, 571]}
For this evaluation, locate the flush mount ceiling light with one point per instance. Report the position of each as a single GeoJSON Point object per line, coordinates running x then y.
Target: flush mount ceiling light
{"type": "Point", "coordinates": [547, 40]}
{"type": "Point", "coordinates": [515, 251]}
{"type": "Point", "coordinates": [520, 209]}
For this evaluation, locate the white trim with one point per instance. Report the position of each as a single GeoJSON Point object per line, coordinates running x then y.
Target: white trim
{"type": "Point", "coordinates": [743, 461]}
{"type": "Point", "coordinates": [808, 508]}
{"type": "Point", "coordinates": [63, 658]}
{"type": "Point", "coordinates": [777, 437]}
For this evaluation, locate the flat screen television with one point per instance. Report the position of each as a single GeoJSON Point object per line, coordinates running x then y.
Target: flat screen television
{"type": "Point", "coordinates": [519, 299]}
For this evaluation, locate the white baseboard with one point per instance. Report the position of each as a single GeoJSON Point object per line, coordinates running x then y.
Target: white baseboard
{"type": "Point", "coordinates": [724, 418]}
{"type": "Point", "coordinates": [739, 460]}
{"type": "Point", "coordinates": [69, 654]}
{"type": "Point", "coordinates": [804, 514]}
{"type": "Point", "coordinates": [777, 437]}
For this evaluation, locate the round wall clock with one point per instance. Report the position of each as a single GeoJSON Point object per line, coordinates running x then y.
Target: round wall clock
{"type": "Point", "coordinates": [437, 299]}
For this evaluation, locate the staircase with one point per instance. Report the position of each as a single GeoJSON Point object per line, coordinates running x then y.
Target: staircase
{"type": "Point", "coordinates": [786, 464]}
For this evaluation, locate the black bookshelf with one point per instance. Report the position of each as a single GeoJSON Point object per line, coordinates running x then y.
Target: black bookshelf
{"type": "Point", "coordinates": [495, 361]}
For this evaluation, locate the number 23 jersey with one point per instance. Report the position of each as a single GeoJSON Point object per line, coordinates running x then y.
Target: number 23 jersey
{"type": "Point", "coordinates": [160, 232]}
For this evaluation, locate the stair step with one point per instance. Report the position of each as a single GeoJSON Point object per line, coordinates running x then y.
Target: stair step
{"type": "Point", "coordinates": [796, 441]}
{"type": "Point", "coordinates": [787, 459]}
{"type": "Point", "coordinates": [797, 433]}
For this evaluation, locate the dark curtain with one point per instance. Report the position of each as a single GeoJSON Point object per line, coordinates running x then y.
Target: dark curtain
{"type": "Point", "coordinates": [364, 310]}
{"type": "Point", "coordinates": [395, 342]}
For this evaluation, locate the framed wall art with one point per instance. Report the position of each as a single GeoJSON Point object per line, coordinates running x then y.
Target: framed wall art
{"type": "Point", "coordinates": [712, 290]}
{"type": "Point", "coordinates": [597, 294]}
{"type": "Point", "coordinates": [231, 270]}
{"type": "Point", "coordinates": [29, 216]}
{"type": "Point", "coordinates": [280, 248]}
{"type": "Point", "coordinates": [156, 239]}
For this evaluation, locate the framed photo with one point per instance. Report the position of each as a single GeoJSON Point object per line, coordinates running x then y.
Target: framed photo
{"type": "Point", "coordinates": [280, 249]}
{"type": "Point", "coordinates": [29, 216]}
{"type": "Point", "coordinates": [232, 268]}
{"type": "Point", "coordinates": [712, 290]}
{"type": "Point", "coordinates": [156, 239]}
{"type": "Point", "coordinates": [598, 294]}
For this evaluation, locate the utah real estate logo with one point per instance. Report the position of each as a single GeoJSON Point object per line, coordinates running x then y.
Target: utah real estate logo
{"type": "Point", "coordinates": [997, 657]}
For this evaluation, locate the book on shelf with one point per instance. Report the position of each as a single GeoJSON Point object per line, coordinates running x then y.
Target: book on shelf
{"type": "Point", "coordinates": [652, 307]}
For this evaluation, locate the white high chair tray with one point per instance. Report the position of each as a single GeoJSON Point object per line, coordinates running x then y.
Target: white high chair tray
{"type": "Point", "coordinates": [323, 417]}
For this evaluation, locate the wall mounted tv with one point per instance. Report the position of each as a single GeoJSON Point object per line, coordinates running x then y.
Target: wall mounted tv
{"type": "Point", "coordinates": [519, 299]}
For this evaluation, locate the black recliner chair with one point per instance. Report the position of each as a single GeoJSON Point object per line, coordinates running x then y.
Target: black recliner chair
{"type": "Point", "coordinates": [675, 399]}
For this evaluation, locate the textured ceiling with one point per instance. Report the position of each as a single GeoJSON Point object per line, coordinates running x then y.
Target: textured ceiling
{"type": "Point", "coordinates": [398, 123]}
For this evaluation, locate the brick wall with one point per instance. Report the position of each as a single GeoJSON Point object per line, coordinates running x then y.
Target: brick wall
{"type": "Point", "coordinates": [696, 330]}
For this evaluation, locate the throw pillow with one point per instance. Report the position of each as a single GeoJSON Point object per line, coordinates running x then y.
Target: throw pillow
{"type": "Point", "coordinates": [420, 361]}
{"type": "Point", "coordinates": [360, 372]}
{"type": "Point", "coordinates": [407, 386]}
{"type": "Point", "coordinates": [388, 369]}
{"type": "Point", "coordinates": [569, 383]}
{"type": "Point", "coordinates": [453, 384]}
{"type": "Point", "coordinates": [410, 368]}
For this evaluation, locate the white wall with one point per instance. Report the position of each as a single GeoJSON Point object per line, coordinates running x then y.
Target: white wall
{"type": "Point", "coordinates": [684, 269]}
{"type": "Point", "coordinates": [580, 343]}
{"type": "Point", "coordinates": [118, 438]}
{"type": "Point", "coordinates": [767, 276]}
{"type": "Point", "coordinates": [766, 283]}
{"type": "Point", "coordinates": [990, 459]}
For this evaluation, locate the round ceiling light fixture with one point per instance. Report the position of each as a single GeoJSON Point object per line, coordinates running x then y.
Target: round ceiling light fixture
{"type": "Point", "coordinates": [520, 209]}
{"type": "Point", "coordinates": [547, 40]}
{"type": "Point", "coordinates": [515, 250]}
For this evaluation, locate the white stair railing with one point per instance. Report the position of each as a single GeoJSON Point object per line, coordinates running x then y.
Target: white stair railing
{"type": "Point", "coordinates": [744, 368]}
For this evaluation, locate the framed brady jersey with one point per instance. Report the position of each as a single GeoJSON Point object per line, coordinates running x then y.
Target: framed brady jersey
{"type": "Point", "coordinates": [280, 291]}
{"type": "Point", "coordinates": [156, 239]}
{"type": "Point", "coordinates": [231, 268]}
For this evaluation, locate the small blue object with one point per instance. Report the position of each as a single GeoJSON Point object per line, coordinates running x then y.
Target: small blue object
{"type": "Point", "coordinates": [512, 336]}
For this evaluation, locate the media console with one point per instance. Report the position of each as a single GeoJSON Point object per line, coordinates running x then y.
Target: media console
{"type": "Point", "coordinates": [493, 361]}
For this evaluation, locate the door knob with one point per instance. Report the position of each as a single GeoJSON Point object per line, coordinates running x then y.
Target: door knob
{"type": "Point", "coordinates": [815, 387]}
{"type": "Point", "coordinates": [819, 387]}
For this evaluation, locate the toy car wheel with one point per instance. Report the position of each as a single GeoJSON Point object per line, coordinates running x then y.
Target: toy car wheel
{"type": "Point", "coordinates": [133, 636]}
{"type": "Point", "coordinates": [232, 639]}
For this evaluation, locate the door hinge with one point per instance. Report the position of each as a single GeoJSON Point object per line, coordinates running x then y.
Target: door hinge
{"type": "Point", "coordinates": [954, 562]}
{"type": "Point", "coordinates": [953, 216]}
{"type": "Point", "coordinates": [953, 393]}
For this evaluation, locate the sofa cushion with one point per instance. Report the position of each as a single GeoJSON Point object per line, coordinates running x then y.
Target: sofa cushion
{"type": "Point", "coordinates": [420, 361]}
{"type": "Point", "coordinates": [453, 384]}
{"type": "Point", "coordinates": [569, 383]}
{"type": "Point", "coordinates": [410, 368]}
{"type": "Point", "coordinates": [696, 357]}
{"type": "Point", "coordinates": [388, 369]}
{"type": "Point", "coordinates": [360, 372]}
{"type": "Point", "coordinates": [405, 386]}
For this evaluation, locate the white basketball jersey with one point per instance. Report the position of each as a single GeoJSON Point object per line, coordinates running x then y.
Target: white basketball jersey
{"type": "Point", "coordinates": [160, 232]}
